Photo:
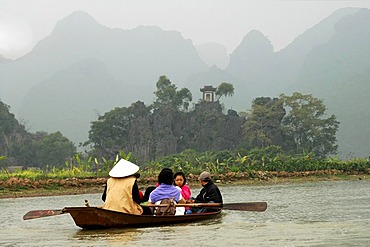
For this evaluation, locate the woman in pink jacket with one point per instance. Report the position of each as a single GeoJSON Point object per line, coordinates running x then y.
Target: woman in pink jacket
{"type": "Point", "coordinates": [179, 181]}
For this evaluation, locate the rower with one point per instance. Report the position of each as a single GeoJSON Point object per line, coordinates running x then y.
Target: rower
{"type": "Point", "coordinates": [210, 193]}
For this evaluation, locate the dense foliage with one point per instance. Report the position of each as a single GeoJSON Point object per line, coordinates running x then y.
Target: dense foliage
{"type": "Point", "coordinates": [306, 125]}
{"type": "Point", "coordinates": [224, 89]}
{"type": "Point", "coordinates": [12, 133]}
{"type": "Point", "coordinates": [263, 125]}
{"type": "Point", "coordinates": [43, 149]}
{"type": "Point", "coordinates": [167, 95]}
{"type": "Point", "coordinates": [296, 124]}
{"type": "Point", "coordinates": [255, 163]}
{"type": "Point", "coordinates": [31, 149]}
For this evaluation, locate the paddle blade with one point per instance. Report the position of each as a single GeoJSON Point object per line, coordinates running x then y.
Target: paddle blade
{"type": "Point", "coordinates": [246, 206]}
{"type": "Point", "coordinates": [42, 213]}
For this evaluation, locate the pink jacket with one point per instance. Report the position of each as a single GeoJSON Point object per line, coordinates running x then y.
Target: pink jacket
{"type": "Point", "coordinates": [185, 192]}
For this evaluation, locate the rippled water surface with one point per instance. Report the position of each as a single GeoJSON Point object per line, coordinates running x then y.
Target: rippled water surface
{"type": "Point", "coordinates": [333, 213]}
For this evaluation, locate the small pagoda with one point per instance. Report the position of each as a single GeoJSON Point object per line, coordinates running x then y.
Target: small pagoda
{"type": "Point", "coordinates": [208, 93]}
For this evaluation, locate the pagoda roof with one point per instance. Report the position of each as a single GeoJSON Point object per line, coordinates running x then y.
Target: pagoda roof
{"type": "Point", "coordinates": [208, 88]}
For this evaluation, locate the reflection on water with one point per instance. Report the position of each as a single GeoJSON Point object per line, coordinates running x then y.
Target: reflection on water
{"type": "Point", "coordinates": [142, 236]}
{"type": "Point", "coordinates": [112, 236]}
{"type": "Point", "coordinates": [309, 214]}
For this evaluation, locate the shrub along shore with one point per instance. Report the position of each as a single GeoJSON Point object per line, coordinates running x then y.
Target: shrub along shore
{"type": "Point", "coordinates": [256, 167]}
{"type": "Point", "coordinates": [15, 187]}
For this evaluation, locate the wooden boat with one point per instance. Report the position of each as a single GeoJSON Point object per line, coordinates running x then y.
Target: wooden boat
{"type": "Point", "coordinates": [96, 218]}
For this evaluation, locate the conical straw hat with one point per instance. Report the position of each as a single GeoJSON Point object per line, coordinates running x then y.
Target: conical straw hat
{"type": "Point", "coordinates": [123, 168]}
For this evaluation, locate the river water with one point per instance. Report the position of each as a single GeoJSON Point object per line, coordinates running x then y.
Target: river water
{"type": "Point", "coordinates": [332, 213]}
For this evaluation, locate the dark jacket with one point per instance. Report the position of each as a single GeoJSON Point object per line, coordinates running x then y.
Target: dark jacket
{"type": "Point", "coordinates": [209, 193]}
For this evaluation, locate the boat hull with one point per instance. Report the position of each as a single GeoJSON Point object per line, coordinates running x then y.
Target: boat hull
{"type": "Point", "coordinates": [98, 218]}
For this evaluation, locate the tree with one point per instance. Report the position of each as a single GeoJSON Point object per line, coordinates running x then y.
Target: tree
{"type": "Point", "coordinates": [183, 99]}
{"type": "Point", "coordinates": [307, 126]}
{"type": "Point", "coordinates": [224, 89]}
{"type": "Point", "coordinates": [263, 125]}
{"type": "Point", "coordinates": [28, 149]}
{"type": "Point", "coordinates": [168, 95]}
{"type": "Point", "coordinates": [110, 130]}
{"type": "Point", "coordinates": [43, 149]}
{"type": "Point", "coordinates": [12, 133]}
{"type": "Point", "coordinates": [7, 120]}
{"type": "Point", "coordinates": [113, 131]}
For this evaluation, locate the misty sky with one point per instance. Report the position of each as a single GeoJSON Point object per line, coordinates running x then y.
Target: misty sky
{"type": "Point", "coordinates": [24, 22]}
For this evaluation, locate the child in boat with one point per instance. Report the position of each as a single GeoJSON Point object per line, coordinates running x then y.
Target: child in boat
{"type": "Point", "coordinates": [165, 190]}
{"type": "Point", "coordinates": [179, 180]}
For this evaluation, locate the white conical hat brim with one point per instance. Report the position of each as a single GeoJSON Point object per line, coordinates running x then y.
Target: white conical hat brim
{"type": "Point", "coordinates": [123, 168]}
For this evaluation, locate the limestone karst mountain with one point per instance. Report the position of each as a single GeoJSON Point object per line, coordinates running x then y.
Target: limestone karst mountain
{"type": "Point", "coordinates": [72, 97]}
{"type": "Point", "coordinates": [329, 60]}
{"type": "Point", "coordinates": [135, 58]}
{"type": "Point", "coordinates": [338, 71]}
{"type": "Point", "coordinates": [213, 54]}
{"type": "Point", "coordinates": [84, 68]}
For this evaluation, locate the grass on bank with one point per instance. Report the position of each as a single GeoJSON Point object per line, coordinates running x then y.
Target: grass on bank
{"type": "Point", "coordinates": [259, 166]}
{"type": "Point", "coordinates": [21, 191]}
{"type": "Point", "coordinates": [217, 163]}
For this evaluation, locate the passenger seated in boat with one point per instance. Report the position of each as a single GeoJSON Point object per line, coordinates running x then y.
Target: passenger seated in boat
{"type": "Point", "coordinates": [147, 192]}
{"type": "Point", "coordinates": [121, 192]}
{"type": "Point", "coordinates": [210, 193]}
{"type": "Point", "coordinates": [179, 180]}
{"type": "Point", "coordinates": [165, 190]}
{"type": "Point", "coordinates": [144, 200]}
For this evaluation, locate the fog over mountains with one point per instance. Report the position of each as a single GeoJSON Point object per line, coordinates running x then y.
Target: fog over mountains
{"type": "Point", "coordinates": [83, 69]}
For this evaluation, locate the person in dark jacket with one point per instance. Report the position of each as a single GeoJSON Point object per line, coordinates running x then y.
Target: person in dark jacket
{"type": "Point", "coordinates": [210, 193]}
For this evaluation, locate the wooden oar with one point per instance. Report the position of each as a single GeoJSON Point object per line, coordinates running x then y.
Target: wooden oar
{"type": "Point", "coordinates": [42, 213]}
{"type": "Point", "coordinates": [45, 213]}
{"type": "Point", "coordinates": [241, 206]}
{"type": "Point", "coordinates": [246, 206]}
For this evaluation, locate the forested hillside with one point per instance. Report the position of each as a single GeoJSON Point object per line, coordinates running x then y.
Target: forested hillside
{"type": "Point", "coordinates": [19, 147]}
{"type": "Point", "coordinates": [298, 124]}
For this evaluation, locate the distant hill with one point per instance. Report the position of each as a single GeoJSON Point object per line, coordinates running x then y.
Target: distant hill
{"type": "Point", "coordinates": [73, 97]}
{"type": "Point", "coordinates": [83, 69]}
{"type": "Point", "coordinates": [338, 71]}
{"type": "Point", "coordinates": [329, 61]}
{"type": "Point", "coordinates": [136, 58]}
{"type": "Point", "coordinates": [263, 72]}
{"type": "Point", "coordinates": [291, 59]}
{"type": "Point", "coordinates": [213, 54]}
{"type": "Point", "coordinates": [253, 66]}
{"type": "Point", "coordinates": [344, 56]}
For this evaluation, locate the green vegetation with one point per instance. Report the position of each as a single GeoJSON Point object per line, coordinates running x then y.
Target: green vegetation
{"type": "Point", "coordinates": [269, 159]}
{"type": "Point", "coordinates": [169, 97]}
{"type": "Point", "coordinates": [289, 133]}
{"type": "Point", "coordinates": [224, 89]}
{"type": "Point", "coordinates": [263, 125]}
{"type": "Point", "coordinates": [30, 149]}
{"type": "Point", "coordinates": [296, 123]}
{"type": "Point", "coordinates": [306, 126]}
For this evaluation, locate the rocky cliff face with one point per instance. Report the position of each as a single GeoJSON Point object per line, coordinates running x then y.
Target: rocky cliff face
{"type": "Point", "coordinates": [167, 131]}
{"type": "Point", "coordinates": [140, 133]}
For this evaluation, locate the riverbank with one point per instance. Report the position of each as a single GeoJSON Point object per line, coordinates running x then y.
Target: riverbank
{"type": "Point", "coordinates": [18, 187]}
